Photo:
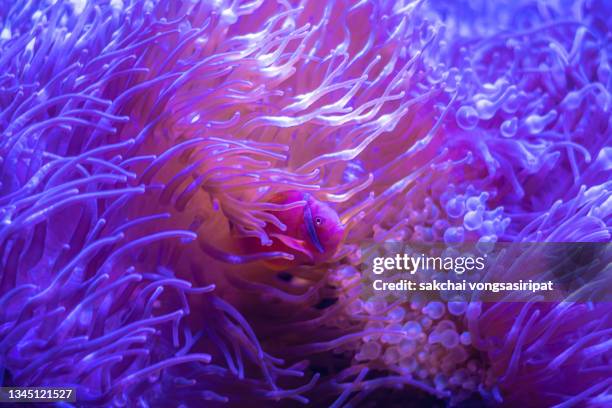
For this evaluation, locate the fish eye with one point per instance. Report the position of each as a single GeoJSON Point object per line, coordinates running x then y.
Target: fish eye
{"type": "Point", "coordinates": [318, 220]}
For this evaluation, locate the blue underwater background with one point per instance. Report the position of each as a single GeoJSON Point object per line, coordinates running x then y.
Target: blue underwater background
{"type": "Point", "coordinates": [144, 143]}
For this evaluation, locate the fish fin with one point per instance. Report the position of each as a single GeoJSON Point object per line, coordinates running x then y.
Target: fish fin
{"type": "Point", "coordinates": [278, 266]}
{"type": "Point", "coordinates": [294, 243]}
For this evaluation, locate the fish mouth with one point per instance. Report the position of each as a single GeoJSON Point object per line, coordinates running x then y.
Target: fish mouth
{"type": "Point", "coordinates": [310, 228]}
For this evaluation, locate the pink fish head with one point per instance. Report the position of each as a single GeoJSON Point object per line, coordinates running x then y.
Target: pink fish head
{"type": "Point", "coordinates": [313, 231]}
{"type": "Point", "coordinates": [322, 228]}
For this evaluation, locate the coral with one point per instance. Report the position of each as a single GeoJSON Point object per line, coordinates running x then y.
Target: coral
{"type": "Point", "coordinates": [142, 142]}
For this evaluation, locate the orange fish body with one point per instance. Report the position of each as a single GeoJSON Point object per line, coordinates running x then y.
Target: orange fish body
{"type": "Point", "coordinates": [313, 231]}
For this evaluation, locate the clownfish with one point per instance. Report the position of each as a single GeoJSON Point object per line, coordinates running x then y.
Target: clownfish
{"type": "Point", "coordinates": [313, 231]}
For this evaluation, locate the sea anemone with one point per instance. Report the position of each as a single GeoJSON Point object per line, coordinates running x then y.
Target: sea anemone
{"type": "Point", "coordinates": [146, 258]}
